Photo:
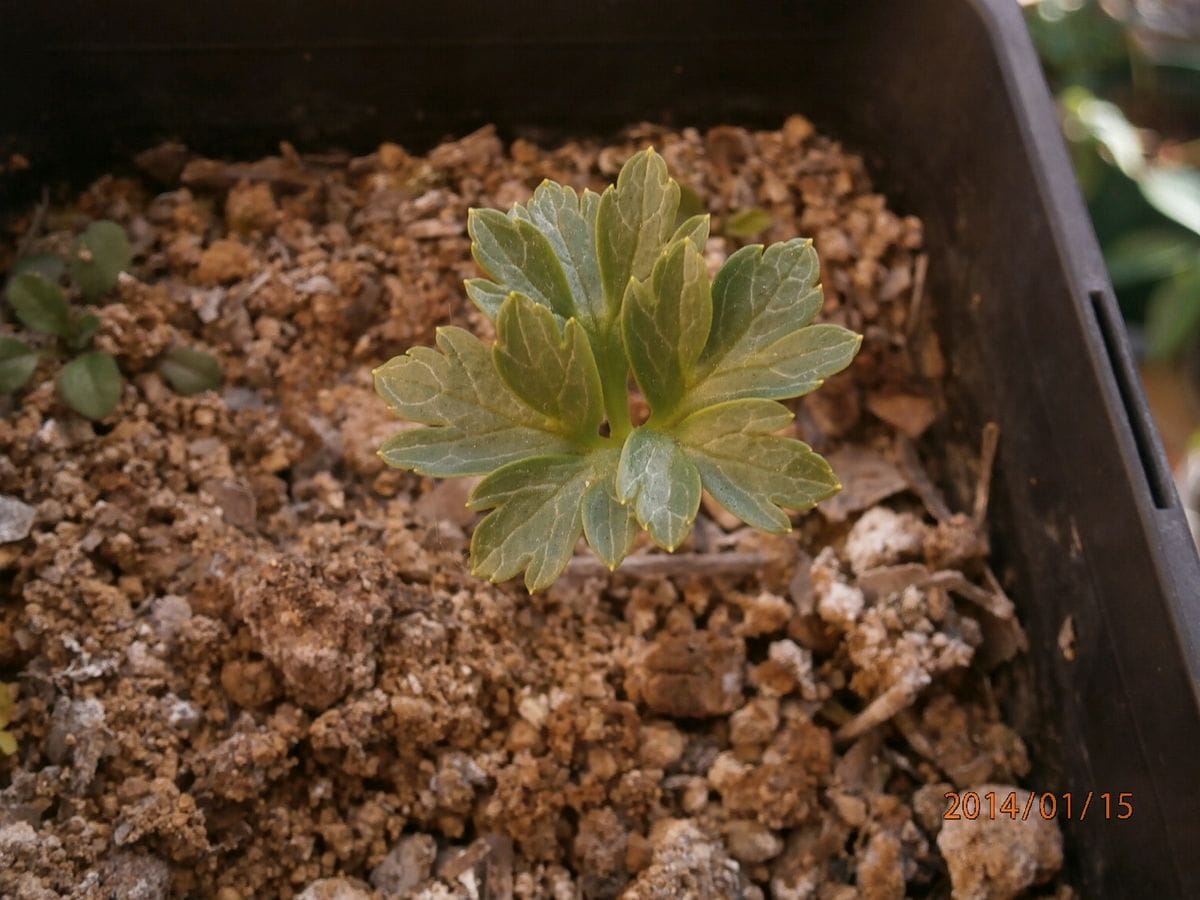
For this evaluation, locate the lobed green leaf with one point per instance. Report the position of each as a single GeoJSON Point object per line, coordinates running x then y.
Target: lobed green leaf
{"type": "Point", "coordinates": [791, 367]}
{"type": "Point", "coordinates": [665, 323]}
{"type": "Point", "coordinates": [662, 483]}
{"type": "Point", "coordinates": [694, 229]}
{"type": "Point", "coordinates": [634, 220]}
{"type": "Point", "coordinates": [761, 343]}
{"type": "Point", "coordinates": [519, 258]}
{"type": "Point", "coordinates": [609, 526]}
{"type": "Point", "coordinates": [569, 226]}
{"type": "Point", "coordinates": [748, 469]}
{"type": "Point", "coordinates": [568, 222]}
{"type": "Point", "coordinates": [476, 423]}
{"type": "Point", "coordinates": [536, 519]}
{"type": "Point", "coordinates": [487, 295]}
{"type": "Point", "coordinates": [760, 296]}
{"type": "Point", "coordinates": [549, 366]}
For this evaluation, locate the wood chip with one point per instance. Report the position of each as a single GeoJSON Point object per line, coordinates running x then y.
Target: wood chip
{"type": "Point", "coordinates": [800, 589]}
{"type": "Point", "coordinates": [429, 229]}
{"type": "Point", "coordinates": [910, 414]}
{"type": "Point", "coordinates": [997, 604]}
{"type": "Point", "coordinates": [236, 501]}
{"type": "Point", "coordinates": [446, 501]}
{"type": "Point", "coordinates": [915, 306]}
{"type": "Point", "coordinates": [457, 863]}
{"type": "Point", "coordinates": [885, 580]}
{"type": "Point", "coordinates": [987, 461]}
{"type": "Point", "coordinates": [498, 883]}
{"type": "Point", "coordinates": [216, 175]}
{"type": "Point", "coordinates": [1003, 638]}
{"type": "Point", "coordinates": [1066, 639]}
{"type": "Point", "coordinates": [899, 696]}
{"type": "Point", "coordinates": [868, 478]}
{"type": "Point", "coordinates": [164, 162]}
{"type": "Point", "coordinates": [920, 482]}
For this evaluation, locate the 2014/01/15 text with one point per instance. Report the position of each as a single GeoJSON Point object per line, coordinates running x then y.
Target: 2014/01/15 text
{"type": "Point", "coordinates": [1068, 805]}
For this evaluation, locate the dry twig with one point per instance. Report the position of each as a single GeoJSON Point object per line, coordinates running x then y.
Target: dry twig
{"type": "Point", "coordinates": [680, 564]}
{"type": "Point", "coordinates": [35, 224]}
{"type": "Point", "coordinates": [920, 482]}
{"type": "Point", "coordinates": [920, 268]}
{"type": "Point", "coordinates": [987, 461]}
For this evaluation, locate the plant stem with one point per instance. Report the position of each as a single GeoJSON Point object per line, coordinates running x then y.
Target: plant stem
{"type": "Point", "coordinates": [614, 379]}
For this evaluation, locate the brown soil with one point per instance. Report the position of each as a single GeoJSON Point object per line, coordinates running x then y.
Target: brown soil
{"type": "Point", "coordinates": [252, 663]}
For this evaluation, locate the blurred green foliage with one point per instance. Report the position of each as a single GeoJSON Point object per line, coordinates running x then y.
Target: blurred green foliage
{"type": "Point", "coordinates": [1127, 75]}
{"type": "Point", "coordinates": [89, 381]}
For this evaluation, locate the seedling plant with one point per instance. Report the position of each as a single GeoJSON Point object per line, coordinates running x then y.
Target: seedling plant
{"type": "Point", "coordinates": [90, 381]}
{"type": "Point", "coordinates": [585, 290]}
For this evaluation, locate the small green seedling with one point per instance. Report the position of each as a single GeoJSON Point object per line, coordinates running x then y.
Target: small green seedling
{"type": "Point", "coordinates": [90, 382]}
{"type": "Point", "coordinates": [189, 371]}
{"type": "Point", "coordinates": [747, 223]}
{"type": "Point", "coordinates": [585, 289]}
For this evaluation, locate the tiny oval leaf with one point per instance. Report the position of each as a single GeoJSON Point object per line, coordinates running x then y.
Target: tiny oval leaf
{"type": "Point", "coordinates": [49, 265]}
{"type": "Point", "coordinates": [746, 223]}
{"type": "Point", "coordinates": [39, 304]}
{"type": "Point", "coordinates": [100, 254]}
{"type": "Point", "coordinates": [17, 364]}
{"type": "Point", "coordinates": [190, 371]}
{"type": "Point", "coordinates": [91, 384]}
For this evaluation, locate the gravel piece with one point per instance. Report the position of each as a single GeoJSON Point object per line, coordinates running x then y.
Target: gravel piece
{"type": "Point", "coordinates": [16, 519]}
{"type": "Point", "coordinates": [999, 858]}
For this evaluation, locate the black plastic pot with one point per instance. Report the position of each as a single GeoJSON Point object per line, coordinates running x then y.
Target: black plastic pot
{"type": "Point", "coordinates": [946, 101]}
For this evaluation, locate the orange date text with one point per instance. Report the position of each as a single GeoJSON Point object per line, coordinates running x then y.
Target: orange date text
{"type": "Point", "coordinates": [1075, 806]}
